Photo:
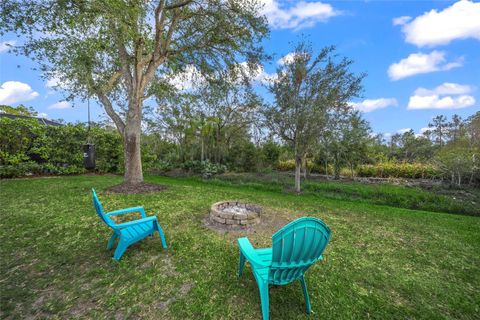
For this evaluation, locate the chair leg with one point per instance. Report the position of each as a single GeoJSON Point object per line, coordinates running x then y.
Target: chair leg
{"type": "Point", "coordinates": [121, 248]}
{"type": "Point", "coordinates": [263, 288]}
{"type": "Point", "coordinates": [162, 236]}
{"type": "Point", "coordinates": [308, 306]}
{"type": "Point", "coordinates": [111, 242]}
{"type": "Point", "coordinates": [241, 264]}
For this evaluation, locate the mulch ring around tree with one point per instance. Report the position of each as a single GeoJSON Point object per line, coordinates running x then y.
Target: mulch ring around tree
{"type": "Point", "coordinates": [143, 187]}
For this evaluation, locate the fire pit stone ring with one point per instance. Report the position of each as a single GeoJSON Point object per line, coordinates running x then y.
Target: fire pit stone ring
{"type": "Point", "coordinates": [235, 214]}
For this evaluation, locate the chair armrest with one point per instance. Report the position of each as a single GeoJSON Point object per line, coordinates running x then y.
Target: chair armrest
{"type": "Point", "coordinates": [128, 210]}
{"type": "Point", "coordinates": [250, 253]}
{"type": "Point", "coordinates": [135, 222]}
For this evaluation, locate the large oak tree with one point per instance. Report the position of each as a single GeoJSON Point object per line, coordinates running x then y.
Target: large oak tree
{"type": "Point", "coordinates": [119, 50]}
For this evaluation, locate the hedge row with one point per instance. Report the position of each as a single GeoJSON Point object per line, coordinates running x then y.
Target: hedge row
{"type": "Point", "coordinates": [28, 147]}
{"type": "Point", "coordinates": [289, 165]}
{"type": "Point", "coordinates": [399, 170]}
{"type": "Point", "coordinates": [380, 170]}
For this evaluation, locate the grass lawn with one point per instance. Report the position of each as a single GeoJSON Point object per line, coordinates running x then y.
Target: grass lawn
{"type": "Point", "coordinates": [383, 262]}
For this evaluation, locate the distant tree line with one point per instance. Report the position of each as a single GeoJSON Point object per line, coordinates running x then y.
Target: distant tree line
{"type": "Point", "coordinates": [236, 139]}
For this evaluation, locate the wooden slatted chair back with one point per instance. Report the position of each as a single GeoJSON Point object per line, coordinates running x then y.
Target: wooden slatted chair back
{"type": "Point", "coordinates": [296, 247]}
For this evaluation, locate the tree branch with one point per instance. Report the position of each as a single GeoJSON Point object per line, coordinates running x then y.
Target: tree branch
{"type": "Point", "coordinates": [178, 5]}
{"type": "Point", "coordinates": [111, 112]}
{"type": "Point", "coordinates": [124, 57]}
{"type": "Point", "coordinates": [109, 86]}
{"type": "Point", "coordinates": [159, 58]}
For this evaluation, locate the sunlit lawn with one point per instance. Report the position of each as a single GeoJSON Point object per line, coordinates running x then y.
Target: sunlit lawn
{"type": "Point", "coordinates": [383, 262]}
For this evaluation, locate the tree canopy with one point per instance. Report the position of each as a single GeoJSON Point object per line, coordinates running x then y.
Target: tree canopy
{"type": "Point", "coordinates": [119, 51]}
{"type": "Point", "coordinates": [305, 90]}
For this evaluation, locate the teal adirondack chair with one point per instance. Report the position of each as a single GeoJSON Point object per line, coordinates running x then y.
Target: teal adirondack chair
{"type": "Point", "coordinates": [295, 248]}
{"type": "Point", "coordinates": [128, 232]}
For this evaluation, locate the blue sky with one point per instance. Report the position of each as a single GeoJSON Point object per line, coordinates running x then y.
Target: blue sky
{"type": "Point", "coordinates": [422, 58]}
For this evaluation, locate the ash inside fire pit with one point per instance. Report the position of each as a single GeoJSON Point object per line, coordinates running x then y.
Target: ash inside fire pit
{"type": "Point", "coordinates": [234, 214]}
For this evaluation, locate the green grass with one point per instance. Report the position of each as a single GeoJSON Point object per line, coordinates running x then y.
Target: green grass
{"type": "Point", "coordinates": [383, 262]}
{"type": "Point", "coordinates": [435, 200]}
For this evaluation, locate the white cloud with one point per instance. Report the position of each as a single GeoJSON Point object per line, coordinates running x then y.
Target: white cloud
{"type": "Point", "coordinates": [445, 96]}
{"type": "Point", "coordinates": [369, 105]}
{"type": "Point", "coordinates": [286, 59]}
{"type": "Point", "coordinates": [12, 92]}
{"type": "Point", "coordinates": [459, 21]}
{"type": "Point", "coordinates": [290, 57]}
{"type": "Point", "coordinates": [445, 88]}
{"type": "Point", "coordinates": [301, 15]}
{"type": "Point", "coordinates": [53, 82]}
{"type": "Point", "coordinates": [418, 63]}
{"type": "Point", "coordinates": [6, 45]}
{"type": "Point", "coordinates": [254, 73]}
{"type": "Point", "coordinates": [400, 21]}
{"type": "Point", "coordinates": [437, 102]}
{"type": "Point", "coordinates": [186, 79]}
{"type": "Point", "coordinates": [57, 81]}
{"type": "Point", "coordinates": [420, 133]}
{"type": "Point", "coordinates": [191, 77]}
{"type": "Point", "coordinates": [43, 115]}
{"type": "Point", "coordinates": [402, 131]}
{"type": "Point", "coordinates": [60, 105]}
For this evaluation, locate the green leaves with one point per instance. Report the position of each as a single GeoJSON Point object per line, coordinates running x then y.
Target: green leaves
{"type": "Point", "coordinates": [29, 147]}
{"type": "Point", "coordinates": [118, 50]}
{"type": "Point", "coordinates": [307, 90]}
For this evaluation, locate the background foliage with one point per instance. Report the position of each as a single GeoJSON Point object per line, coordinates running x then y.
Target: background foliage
{"type": "Point", "coordinates": [29, 147]}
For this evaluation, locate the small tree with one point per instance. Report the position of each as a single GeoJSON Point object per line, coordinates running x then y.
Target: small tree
{"type": "Point", "coordinates": [356, 138]}
{"type": "Point", "coordinates": [118, 50]}
{"type": "Point", "coordinates": [346, 137]}
{"type": "Point", "coordinates": [455, 128]}
{"type": "Point", "coordinates": [439, 128]}
{"type": "Point", "coordinates": [305, 90]}
{"type": "Point", "coordinates": [458, 161]}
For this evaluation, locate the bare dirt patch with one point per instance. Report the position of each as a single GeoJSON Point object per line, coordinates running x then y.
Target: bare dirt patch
{"type": "Point", "coordinates": [181, 293]}
{"type": "Point", "coordinates": [144, 187]}
{"type": "Point", "coordinates": [82, 308]}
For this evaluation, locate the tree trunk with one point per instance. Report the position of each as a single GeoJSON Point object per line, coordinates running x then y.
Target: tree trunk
{"type": "Point", "coordinates": [305, 169]}
{"type": "Point", "coordinates": [298, 165]}
{"type": "Point", "coordinates": [133, 157]}
{"type": "Point", "coordinates": [337, 170]}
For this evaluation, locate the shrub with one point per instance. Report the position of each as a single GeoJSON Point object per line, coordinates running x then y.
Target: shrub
{"type": "Point", "coordinates": [205, 168]}
{"type": "Point", "coordinates": [209, 169]}
{"type": "Point", "coordinates": [28, 147]}
{"type": "Point", "coordinates": [399, 170]}
{"type": "Point", "coordinates": [286, 165]}
{"type": "Point", "coordinates": [271, 151]}
{"type": "Point", "coordinates": [160, 166]}
{"type": "Point", "coordinates": [244, 157]}
{"type": "Point", "coordinates": [19, 170]}
{"type": "Point", "coordinates": [313, 167]}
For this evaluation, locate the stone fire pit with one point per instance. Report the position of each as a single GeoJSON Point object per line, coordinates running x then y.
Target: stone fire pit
{"type": "Point", "coordinates": [234, 214]}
